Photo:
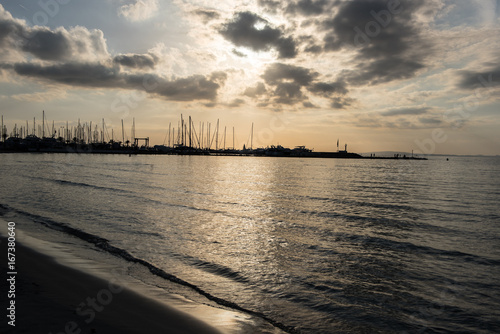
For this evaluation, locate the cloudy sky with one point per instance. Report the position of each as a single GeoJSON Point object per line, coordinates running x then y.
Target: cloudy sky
{"type": "Point", "coordinates": [380, 75]}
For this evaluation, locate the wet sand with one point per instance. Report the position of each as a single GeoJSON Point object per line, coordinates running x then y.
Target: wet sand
{"type": "Point", "coordinates": [56, 292]}
{"type": "Point", "coordinates": [54, 298]}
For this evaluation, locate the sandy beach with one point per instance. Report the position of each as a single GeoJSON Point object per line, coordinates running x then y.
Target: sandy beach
{"type": "Point", "coordinates": [57, 292]}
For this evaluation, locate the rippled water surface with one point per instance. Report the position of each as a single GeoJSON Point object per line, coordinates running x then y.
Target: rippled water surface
{"type": "Point", "coordinates": [324, 245]}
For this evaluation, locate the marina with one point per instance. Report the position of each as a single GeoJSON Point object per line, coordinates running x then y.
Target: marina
{"type": "Point", "coordinates": [183, 140]}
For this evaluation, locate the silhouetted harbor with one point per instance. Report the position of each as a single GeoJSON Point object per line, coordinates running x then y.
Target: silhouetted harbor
{"type": "Point", "coordinates": [50, 145]}
{"type": "Point", "coordinates": [88, 138]}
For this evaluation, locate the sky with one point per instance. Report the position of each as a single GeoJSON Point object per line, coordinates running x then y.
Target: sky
{"type": "Point", "coordinates": [378, 75]}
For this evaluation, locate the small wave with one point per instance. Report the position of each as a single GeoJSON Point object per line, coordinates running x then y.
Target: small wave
{"type": "Point", "coordinates": [218, 269]}
{"type": "Point", "coordinates": [80, 184]}
{"type": "Point", "coordinates": [371, 220]}
{"type": "Point", "coordinates": [425, 250]}
{"type": "Point", "coordinates": [121, 191]}
{"type": "Point", "coordinates": [105, 245]}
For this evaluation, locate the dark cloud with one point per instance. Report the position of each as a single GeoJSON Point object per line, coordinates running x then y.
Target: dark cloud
{"type": "Point", "coordinates": [368, 24]}
{"type": "Point", "coordinates": [250, 30]}
{"type": "Point", "coordinates": [314, 49]}
{"type": "Point", "coordinates": [307, 7]}
{"type": "Point", "coordinates": [39, 41]}
{"type": "Point", "coordinates": [406, 118]}
{"type": "Point", "coordinates": [308, 104]}
{"type": "Point", "coordinates": [388, 41]}
{"type": "Point", "coordinates": [400, 122]}
{"type": "Point", "coordinates": [430, 121]}
{"type": "Point", "coordinates": [5, 30]}
{"type": "Point", "coordinates": [9, 31]}
{"type": "Point", "coordinates": [5, 66]}
{"type": "Point", "coordinates": [384, 70]}
{"type": "Point", "coordinates": [483, 79]}
{"type": "Point", "coordinates": [207, 15]}
{"type": "Point", "coordinates": [288, 81]}
{"type": "Point", "coordinates": [219, 77]}
{"type": "Point", "coordinates": [406, 111]}
{"type": "Point", "coordinates": [310, 44]}
{"type": "Point", "coordinates": [210, 105]}
{"type": "Point", "coordinates": [48, 45]}
{"type": "Point", "coordinates": [8, 27]}
{"type": "Point", "coordinates": [286, 47]}
{"type": "Point", "coordinates": [86, 75]}
{"type": "Point", "coordinates": [259, 89]}
{"type": "Point", "coordinates": [239, 54]}
{"type": "Point", "coordinates": [270, 5]}
{"type": "Point", "coordinates": [290, 84]}
{"type": "Point", "coordinates": [136, 60]}
{"type": "Point", "coordinates": [277, 72]}
{"type": "Point", "coordinates": [288, 93]}
{"type": "Point", "coordinates": [331, 43]}
{"type": "Point", "coordinates": [326, 89]}
{"type": "Point", "coordinates": [196, 87]}
{"type": "Point", "coordinates": [236, 103]}
{"type": "Point", "coordinates": [341, 102]}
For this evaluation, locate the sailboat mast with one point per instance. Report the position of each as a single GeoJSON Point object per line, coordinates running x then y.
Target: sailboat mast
{"type": "Point", "coordinates": [224, 137]}
{"type": "Point", "coordinates": [133, 130]}
{"type": "Point", "coordinates": [182, 131]}
{"type": "Point", "coordinates": [202, 135]}
{"type": "Point", "coordinates": [251, 141]}
{"type": "Point", "coordinates": [217, 136]}
{"type": "Point", "coordinates": [169, 128]}
{"type": "Point", "coordinates": [190, 131]}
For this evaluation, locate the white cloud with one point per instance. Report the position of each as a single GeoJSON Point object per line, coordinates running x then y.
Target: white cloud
{"type": "Point", "coordinates": [140, 10]}
{"type": "Point", "coordinates": [19, 41]}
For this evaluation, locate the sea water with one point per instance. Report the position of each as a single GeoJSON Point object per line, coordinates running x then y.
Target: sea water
{"type": "Point", "coordinates": [316, 245]}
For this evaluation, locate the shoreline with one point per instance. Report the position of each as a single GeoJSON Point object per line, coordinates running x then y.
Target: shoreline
{"type": "Point", "coordinates": [58, 292]}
